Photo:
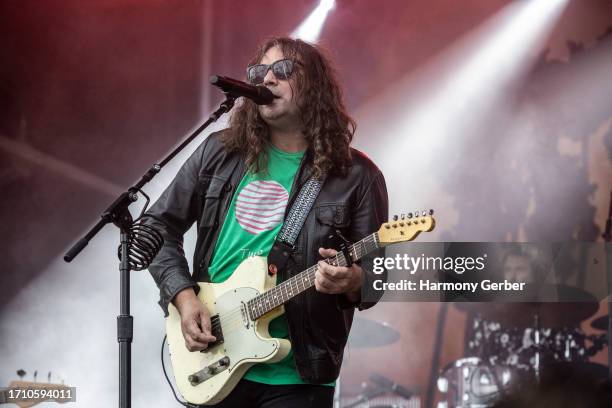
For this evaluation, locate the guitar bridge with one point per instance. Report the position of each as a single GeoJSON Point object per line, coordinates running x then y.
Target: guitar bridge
{"type": "Point", "coordinates": [215, 330]}
{"type": "Point", "coordinates": [209, 371]}
{"type": "Point", "coordinates": [215, 324]}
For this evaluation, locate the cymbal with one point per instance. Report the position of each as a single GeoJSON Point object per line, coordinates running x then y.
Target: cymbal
{"type": "Point", "coordinates": [369, 333]}
{"type": "Point", "coordinates": [550, 314]}
{"type": "Point", "coordinates": [601, 323]}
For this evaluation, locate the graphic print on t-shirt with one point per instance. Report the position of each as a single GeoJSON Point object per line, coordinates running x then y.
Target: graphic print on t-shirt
{"type": "Point", "coordinates": [260, 206]}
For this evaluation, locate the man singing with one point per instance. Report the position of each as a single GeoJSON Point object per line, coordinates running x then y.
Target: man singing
{"type": "Point", "coordinates": [238, 187]}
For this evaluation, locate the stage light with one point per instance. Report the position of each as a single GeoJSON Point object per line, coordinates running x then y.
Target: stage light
{"type": "Point", "coordinates": [440, 109]}
{"type": "Point", "coordinates": [310, 29]}
{"type": "Point", "coordinates": [508, 47]}
{"type": "Point", "coordinates": [483, 69]}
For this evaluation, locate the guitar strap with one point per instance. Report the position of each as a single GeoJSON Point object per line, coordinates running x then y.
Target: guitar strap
{"type": "Point", "coordinates": [285, 241]}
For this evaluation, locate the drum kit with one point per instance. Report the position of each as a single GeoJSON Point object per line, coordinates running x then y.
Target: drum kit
{"type": "Point", "coordinates": [509, 347]}
{"type": "Point", "coordinates": [517, 345]}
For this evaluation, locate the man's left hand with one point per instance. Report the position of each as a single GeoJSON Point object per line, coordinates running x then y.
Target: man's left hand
{"type": "Point", "coordinates": [338, 279]}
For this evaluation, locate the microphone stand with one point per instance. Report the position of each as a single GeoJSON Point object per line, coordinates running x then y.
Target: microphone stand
{"type": "Point", "coordinates": [119, 214]}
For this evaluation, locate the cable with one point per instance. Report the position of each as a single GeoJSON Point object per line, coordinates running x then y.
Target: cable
{"type": "Point", "coordinates": [144, 244]}
{"type": "Point", "coordinates": [186, 404]}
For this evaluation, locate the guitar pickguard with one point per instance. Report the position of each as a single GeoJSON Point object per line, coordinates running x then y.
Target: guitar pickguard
{"type": "Point", "coordinates": [207, 377]}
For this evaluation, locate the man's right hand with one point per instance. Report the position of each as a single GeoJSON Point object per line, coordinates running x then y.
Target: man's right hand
{"type": "Point", "coordinates": [195, 320]}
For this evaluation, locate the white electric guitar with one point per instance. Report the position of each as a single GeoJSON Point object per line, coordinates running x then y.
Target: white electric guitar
{"type": "Point", "coordinates": [241, 309]}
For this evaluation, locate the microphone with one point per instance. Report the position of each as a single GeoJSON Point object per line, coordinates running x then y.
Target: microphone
{"type": "Point", "coordinates": [258, 94]}
{"type": "Point", "coordinates": [389, 385]}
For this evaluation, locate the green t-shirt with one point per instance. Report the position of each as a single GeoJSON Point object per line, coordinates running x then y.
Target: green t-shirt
{"type": "Point", "coordinates": [252, 222]}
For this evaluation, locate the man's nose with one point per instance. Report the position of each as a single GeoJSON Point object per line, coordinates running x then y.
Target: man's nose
{"type": "Point", "coordinates": [270, 78]}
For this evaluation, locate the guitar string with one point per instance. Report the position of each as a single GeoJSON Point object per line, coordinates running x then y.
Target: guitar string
{"type": "Point", "coordinates": [233, 319]}
{"type": "Point", "coordinates": [235, 315]}
{"type": "Point", "coordinates": [360, 248]}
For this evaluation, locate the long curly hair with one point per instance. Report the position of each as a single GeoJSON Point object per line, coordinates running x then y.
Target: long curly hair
{"type": "Point", "coordinates": [327, 127]}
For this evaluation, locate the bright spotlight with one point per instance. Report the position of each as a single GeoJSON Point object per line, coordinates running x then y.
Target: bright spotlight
{"type": "Point", "coordinates": [473, 77]}
{"type": "Point", "coordinates": [506, 50]}
{"type": "Point", "coordinates": [439, 109]}
{"type": "Point", "coordinates": [310, 29]}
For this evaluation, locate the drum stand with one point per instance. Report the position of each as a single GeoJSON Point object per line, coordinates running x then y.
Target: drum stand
{"type": "Point", "coordinates": [536, 335]}
{"type": "Point", "coordinates": [485, 353]}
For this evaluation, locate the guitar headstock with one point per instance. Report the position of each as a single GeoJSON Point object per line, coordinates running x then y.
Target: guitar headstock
{"type": "Point", "coordinates": [406, 227]}
{"type": "Point", "coordinates": [24, 385]}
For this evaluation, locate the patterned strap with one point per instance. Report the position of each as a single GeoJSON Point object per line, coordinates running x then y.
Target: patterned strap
{"type": "Point", "coordinates": [299, 211]}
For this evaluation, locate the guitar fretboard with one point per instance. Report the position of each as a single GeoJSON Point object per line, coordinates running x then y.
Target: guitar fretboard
{"type": "Point", "coordinates": [304, 280]}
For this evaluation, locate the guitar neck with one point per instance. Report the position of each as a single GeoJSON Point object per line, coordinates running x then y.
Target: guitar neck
{"type": "Point", "coordinates": [304, 280]}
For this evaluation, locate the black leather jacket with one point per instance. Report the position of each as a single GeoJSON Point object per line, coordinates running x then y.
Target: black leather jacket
{"type": "Point", "coordinates": [318, 323]}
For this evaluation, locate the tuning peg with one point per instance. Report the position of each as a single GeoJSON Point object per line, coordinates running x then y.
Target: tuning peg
{"type": "Point", "coordinates": [431, 211]}
{"type": "Point", "coordinates": [395, 217]}
{"type": "Point", "coordinates": [49, 377]}
{"type": "Point", "coordinates": [35, 374]}
{"type": "Point", "coordinates": [409, 215]}
{"type": "Point", "coordinates": [424, 213]}
{"type": "Point", "coordinates": [403, 216]}
{"type": "Point", "coordinates": [21, 373]}
{"type": "Point", "coordinates": [416, 213]}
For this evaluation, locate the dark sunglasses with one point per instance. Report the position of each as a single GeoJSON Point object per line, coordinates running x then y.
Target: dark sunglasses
{"type": "Point", "coordinates": [282, 69]}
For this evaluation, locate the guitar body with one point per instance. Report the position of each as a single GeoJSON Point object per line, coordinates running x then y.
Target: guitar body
{"type": "Point", "coordinates": [244, 342]}
{"type": "Point", "coordinates": [205, 378]}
